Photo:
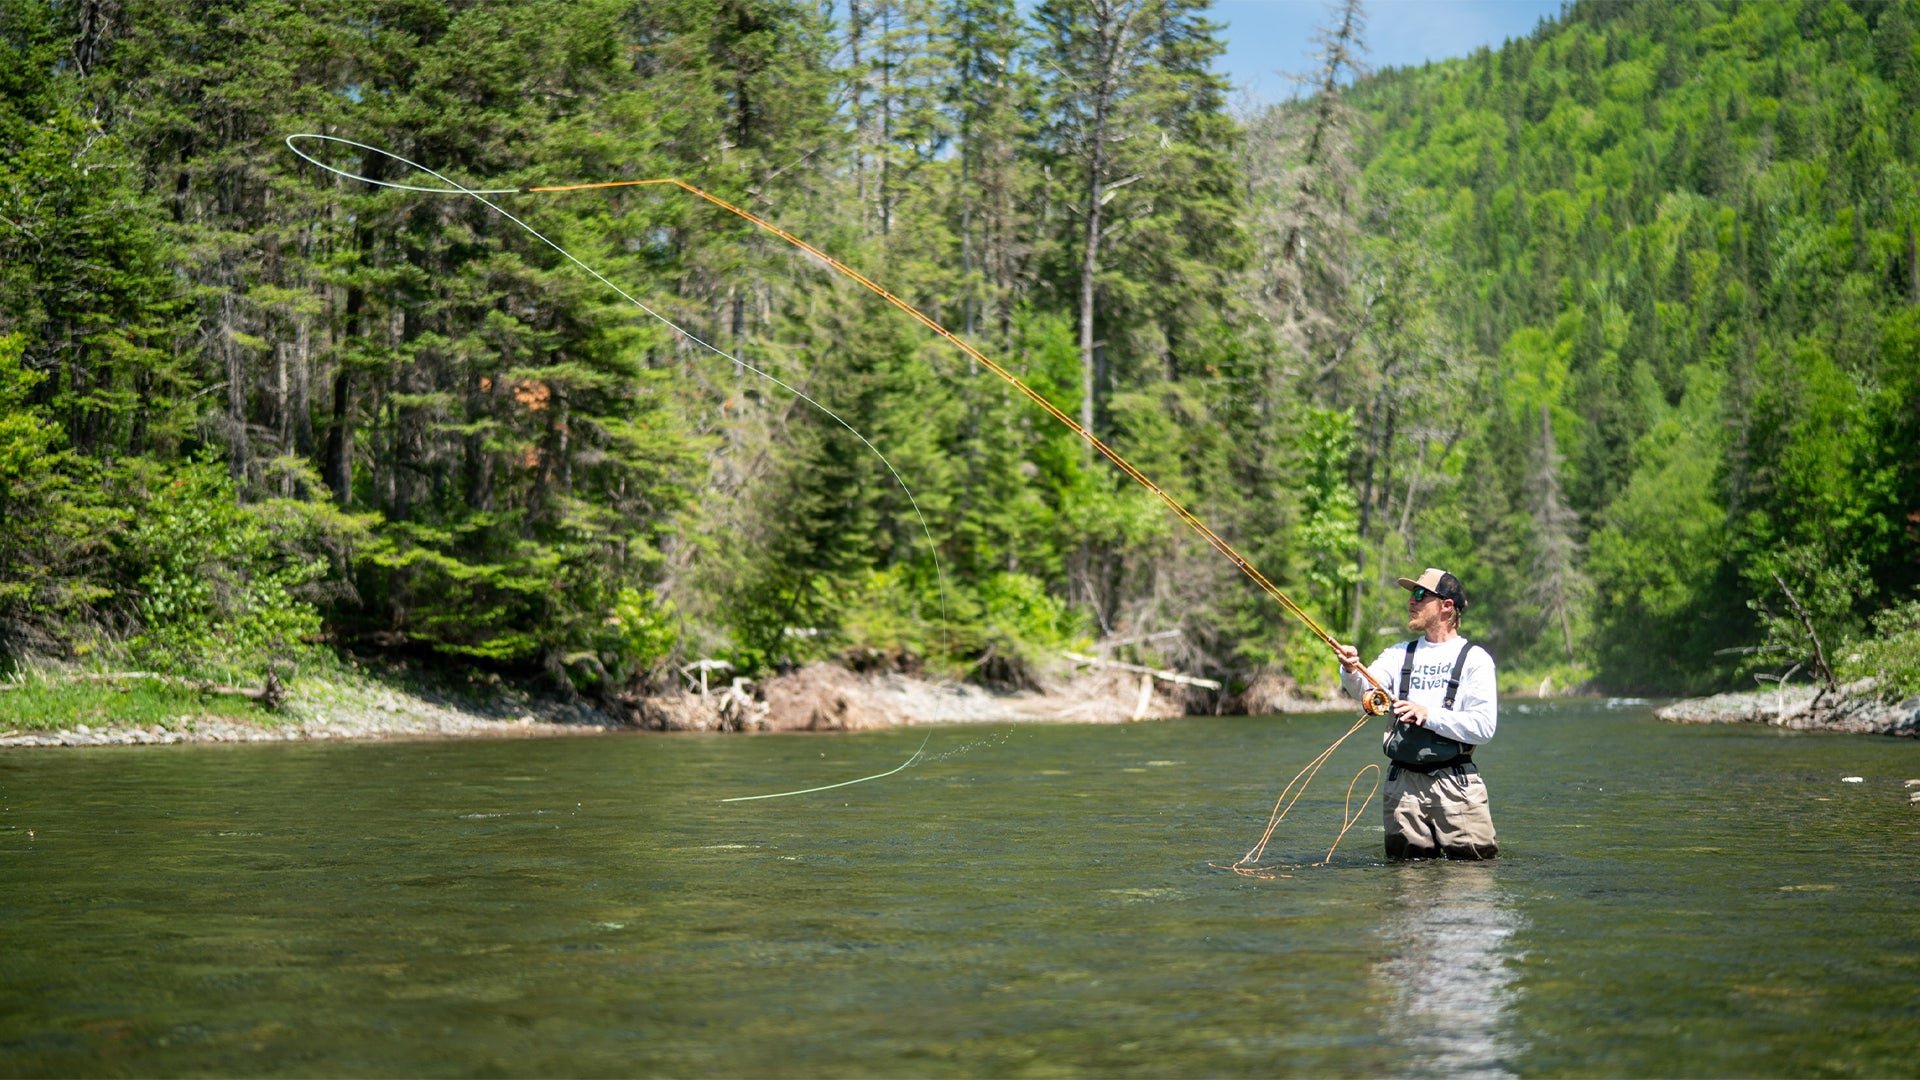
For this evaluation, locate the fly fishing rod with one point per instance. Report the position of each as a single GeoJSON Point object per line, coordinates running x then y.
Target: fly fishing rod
{"type": "Point", "coordinates": [1376, 701]}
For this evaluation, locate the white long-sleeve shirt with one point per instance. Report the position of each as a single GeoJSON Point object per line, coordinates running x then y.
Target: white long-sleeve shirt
{"type": "Point", "coordinates": [1476, 708]}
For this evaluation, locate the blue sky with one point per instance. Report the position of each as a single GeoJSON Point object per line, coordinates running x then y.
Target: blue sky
{"type": "Point", "coordinates": [1268, 36]}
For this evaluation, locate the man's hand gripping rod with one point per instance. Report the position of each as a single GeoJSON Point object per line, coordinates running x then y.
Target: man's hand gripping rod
{"type": "Point", "coordinates": [1376, 701]}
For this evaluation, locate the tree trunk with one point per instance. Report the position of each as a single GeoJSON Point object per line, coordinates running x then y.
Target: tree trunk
{"type": "Point", "coordinates": [1413, 488]}
{"type": "Point", "coordinates": [1115, 49]}
{"type": "Point", "coordinates": [1089, 268]}
{"type": "Point", "coordinates": [1090, 261]}
{"type": "Point", "coordinates": [338, 467]}
{"type": "Point", "coordinates": [303, 391]}
{"type": "Point", "coordinates": [282, 398]}
{"type": "Point", "coordinates": [481, 394]}
{"type": "Point", "coordinates": [339, 461]}
{"type": "Point", "coordinates": [1551, 458]}
{"type": "Point", "coordinates": [1913, 268]}
{"type": "Point", "coordinates": [1340, 47]}
{"type": "Point", "coordinates": [969, 307]}
{"type": "Point", "coordinates": [238, 452]}
{"type": "Point", "coordinates": [886, 118]}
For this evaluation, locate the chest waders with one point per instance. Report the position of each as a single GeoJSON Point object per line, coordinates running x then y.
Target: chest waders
{"type": "Point", "coordinates": [1412, 746]}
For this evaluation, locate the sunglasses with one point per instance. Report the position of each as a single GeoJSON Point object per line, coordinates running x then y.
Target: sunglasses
{"type": "Point", "coordinates": [1422, 595]}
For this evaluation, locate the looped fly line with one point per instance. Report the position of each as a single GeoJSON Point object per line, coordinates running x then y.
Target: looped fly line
{"type": "Point", "coordinates": [1375, 699]}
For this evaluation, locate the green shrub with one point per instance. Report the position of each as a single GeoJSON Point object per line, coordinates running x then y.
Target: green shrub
{"type": "Point", "coordinates": [1020, 612]}
{"type": "Point", "coordinates": [1891, 655]}
{"type": "Point", "coordinates": [222, 587]}
{"type": "Point", "coordinates": [1812, 583]}
{"type": "Point", "coordinates": [903, 610]}
{"type": "Point", "coordinates": [640, 631]}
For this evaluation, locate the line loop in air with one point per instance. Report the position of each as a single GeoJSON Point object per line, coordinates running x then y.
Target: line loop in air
{"type": "Point", "coordinates": [1375, 702]}
{"type": "Point", "coordinates": [479, 195]}
{"type": "Point", "coordinates": [337, 171]}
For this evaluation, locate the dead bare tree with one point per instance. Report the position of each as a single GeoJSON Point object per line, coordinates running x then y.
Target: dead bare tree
{"type": "Point", "coordinates": [1829, 684]}
{"type": "Point", "coordinates": [1301, 175]}
{"type": "Point", "coordinates": [1555, 581]}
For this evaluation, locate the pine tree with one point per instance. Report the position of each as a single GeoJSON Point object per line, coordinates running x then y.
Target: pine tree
{"type": "Point", "coordinates": [992, 100]}
{"type": "Point", "coordinates": [1101, 50]}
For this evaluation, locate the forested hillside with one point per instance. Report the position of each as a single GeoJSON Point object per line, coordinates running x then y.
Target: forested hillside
{"type": "Point", "coordinates": [1685, 235]}
{"type": "Point", "coordinates": [1617, 321]}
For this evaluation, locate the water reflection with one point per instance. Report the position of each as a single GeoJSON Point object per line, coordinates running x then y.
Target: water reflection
{"type": "Point", "coordinates": [1447, 973]}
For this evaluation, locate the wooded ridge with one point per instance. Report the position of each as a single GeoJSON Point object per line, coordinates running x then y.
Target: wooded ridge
{"type": "Point", "coordinates": [1619, 322]}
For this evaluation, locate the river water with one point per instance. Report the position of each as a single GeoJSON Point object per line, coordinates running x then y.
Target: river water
{"type": "Point", "coordinates": [1022, 901]}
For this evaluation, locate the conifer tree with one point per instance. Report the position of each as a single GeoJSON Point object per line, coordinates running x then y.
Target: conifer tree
{"type": "Point", "coordinates": [992, 100]}
{"type": "Point", "coordinates": [1100, 50]}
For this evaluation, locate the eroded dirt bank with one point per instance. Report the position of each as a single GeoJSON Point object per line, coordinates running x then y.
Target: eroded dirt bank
{"type": "Point", "coordinates": [827, 697]}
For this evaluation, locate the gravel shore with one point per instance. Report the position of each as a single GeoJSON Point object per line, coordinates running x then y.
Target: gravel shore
{"type": "Point", "coordinates": [1857, 709]}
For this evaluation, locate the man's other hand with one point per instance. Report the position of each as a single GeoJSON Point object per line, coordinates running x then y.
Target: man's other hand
{"type": "Point", "coordinates": [1349, 657]}
{"type": "Point", "coordinates": [1408, 712]}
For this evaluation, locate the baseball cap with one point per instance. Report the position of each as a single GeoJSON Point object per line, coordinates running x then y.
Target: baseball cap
{"type": "Point", "coordinates": [1439, 583]}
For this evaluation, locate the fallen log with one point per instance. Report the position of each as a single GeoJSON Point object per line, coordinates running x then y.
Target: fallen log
{"type": "Point", "coordinates": [1169, 676]}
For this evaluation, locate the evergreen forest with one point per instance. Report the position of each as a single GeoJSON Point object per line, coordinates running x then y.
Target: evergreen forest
{"type": "Point", "coordinates": [1618, 321]}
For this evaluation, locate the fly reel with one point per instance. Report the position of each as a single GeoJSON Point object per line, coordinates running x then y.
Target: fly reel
{"type": "Point", "coordinates": [1376, 702]}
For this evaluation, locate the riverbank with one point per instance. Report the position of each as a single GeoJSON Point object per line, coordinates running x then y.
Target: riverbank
{"type": "Point", "coordinates": [1857, 709]}
{"type": "Point", "coordinates": [828, 697]}
{"type": "Point", "coordinates": [339, 706]}
{"type": "Point", "coordinates": [820, 697]}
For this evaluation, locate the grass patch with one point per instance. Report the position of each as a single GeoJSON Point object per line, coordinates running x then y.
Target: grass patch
{"type": "Point", "coordinates": [37, 704]}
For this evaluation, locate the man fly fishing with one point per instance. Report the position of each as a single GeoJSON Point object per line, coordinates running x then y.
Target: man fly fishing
{"type": "Point", "coordinates": [1446, 704]}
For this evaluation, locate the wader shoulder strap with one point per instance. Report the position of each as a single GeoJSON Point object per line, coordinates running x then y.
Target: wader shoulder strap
{"type": "Point", "coordinates": [1453, 681]}
{"type": "Point", "coordinates": [1413, 746]}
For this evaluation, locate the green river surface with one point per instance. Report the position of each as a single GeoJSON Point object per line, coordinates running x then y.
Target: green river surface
{"type": "Point", "coordinates": [1033, 900]}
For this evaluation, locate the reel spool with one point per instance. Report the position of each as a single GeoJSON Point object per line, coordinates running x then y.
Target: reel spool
{"type": "Point", "coordinates": [1376, 702]}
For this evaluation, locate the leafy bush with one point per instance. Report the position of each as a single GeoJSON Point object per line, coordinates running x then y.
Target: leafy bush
{"type": "Point", "coordinates": [1891, 655]}
{"type": "Point", "coordinates": [1806, 598]}
{"type": "Point", "coordinates": [52, 526]}
{"type": "Point", "coordinates": [640, 631]}
{"type": "Point", "coordinates": [1020, 612]}
{"type": "Point", "coordinates": [224, 587]}
{"type": "Point", "coordinates": [903, 610]}
{"type": "Point", "coordinates": [1009, 618]}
